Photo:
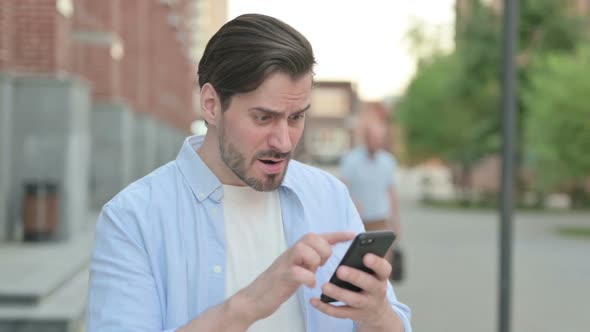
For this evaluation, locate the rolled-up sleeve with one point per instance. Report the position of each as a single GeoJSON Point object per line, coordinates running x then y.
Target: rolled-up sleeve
{"type": "Point", "coordinates": [122, 294]}
{"type": "Point", "coordinates": [402, 310]}
{"type": "Point", "coordinates": [355, 224]}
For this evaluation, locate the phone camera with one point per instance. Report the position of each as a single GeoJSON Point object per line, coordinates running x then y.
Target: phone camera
{"type": "Point", "coordinates": [364, 242]}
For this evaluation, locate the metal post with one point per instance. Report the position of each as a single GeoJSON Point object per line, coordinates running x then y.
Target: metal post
{"type": "Point", "coordinates": [508, 134]}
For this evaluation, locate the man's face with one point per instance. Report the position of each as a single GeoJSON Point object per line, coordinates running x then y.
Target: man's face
{"type": "Point", "coordinates": [375, 136]}
{"type": "Point", "coordinates": [260, 129]}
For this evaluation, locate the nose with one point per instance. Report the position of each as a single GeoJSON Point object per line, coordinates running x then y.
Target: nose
{"type": "Point", "coordinates": [279, 138]}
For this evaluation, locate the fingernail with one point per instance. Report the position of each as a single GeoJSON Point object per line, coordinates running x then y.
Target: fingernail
{"type": "Point", "coordinates": [343, 272]}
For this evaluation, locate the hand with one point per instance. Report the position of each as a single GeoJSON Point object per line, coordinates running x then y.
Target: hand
{"type": "Point", "coordinates": [369, 308]}
{"type": "Point", "coordinates": [295, 267]}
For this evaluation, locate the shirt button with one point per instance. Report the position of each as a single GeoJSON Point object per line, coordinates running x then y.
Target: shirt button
{"type": "Point", "coordinates": [201, 195]}
{"type": "Point", "coordinates": [214, 210]}
{"type": "Point", "coordinates": [217, 269]}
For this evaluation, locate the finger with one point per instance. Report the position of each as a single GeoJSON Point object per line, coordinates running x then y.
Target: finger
{"type": "Point", "coordinates": [306, 256]}
{"type": "Point", "coordinates": [379, 265]}
{"type": "Point", "coordinates": [320, 245]}
{"type": "Point", "coordinates": [334, 311]}
{"type": "Point", "coordinates": [361, 279]}
{"type": "Point", "coordinates": [337, 237]}
{"type": "Point", "coordinates": [302, 276]}
{"type": "Point", "coordinates": [353, 299]}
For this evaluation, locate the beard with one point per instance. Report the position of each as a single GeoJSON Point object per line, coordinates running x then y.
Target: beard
{"type": "Point", "coordinates": [238, 164]}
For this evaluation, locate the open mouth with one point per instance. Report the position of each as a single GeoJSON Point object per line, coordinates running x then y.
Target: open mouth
{"type": "Point", "coordinates": [269, 162]}
{"type": "Point", "coordinates": [272, 166]}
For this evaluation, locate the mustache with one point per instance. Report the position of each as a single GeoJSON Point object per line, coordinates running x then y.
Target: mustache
{"type": "Point", "coordinates": [273, 154]}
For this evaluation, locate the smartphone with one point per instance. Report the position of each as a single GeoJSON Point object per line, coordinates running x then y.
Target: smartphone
{"type": "Point", "coordinates": [375, 242]}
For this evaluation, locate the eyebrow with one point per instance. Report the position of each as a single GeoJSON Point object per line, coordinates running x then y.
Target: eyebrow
{"type": "Point", "coordinates": [277, 113]}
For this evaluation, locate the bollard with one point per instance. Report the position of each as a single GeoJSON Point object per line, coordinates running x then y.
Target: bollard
{"type": "Point", "coordinates": [40, 211]}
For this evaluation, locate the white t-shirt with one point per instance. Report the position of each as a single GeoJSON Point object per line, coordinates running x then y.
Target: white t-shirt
{"type": "Point", "coordinates": [254, 239]}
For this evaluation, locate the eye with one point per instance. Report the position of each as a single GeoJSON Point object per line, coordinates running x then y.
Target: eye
{"type": "Point", "coordinates": [262, 117]}
{"type": "Point", "coordinates": [299, 116]}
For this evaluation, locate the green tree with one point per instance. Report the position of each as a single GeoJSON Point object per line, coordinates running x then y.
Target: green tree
{"type": "Point", "coordinates": [558, 122]}
{"type": "Point", "coordinates": [546, 27]}
{"type": "Point", "coordinates": [451, 108]}
{"type": "Point", "coordinates": [424, 110]}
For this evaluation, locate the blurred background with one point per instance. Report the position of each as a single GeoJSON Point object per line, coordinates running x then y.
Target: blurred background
{"type": "Point", "coordinates": [95, 94]}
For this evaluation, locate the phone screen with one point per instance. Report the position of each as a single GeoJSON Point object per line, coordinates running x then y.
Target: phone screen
{"type": "Point", "coordinates": [375, 242]}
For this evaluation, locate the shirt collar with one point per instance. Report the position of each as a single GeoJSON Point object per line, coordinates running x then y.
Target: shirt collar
{"type": "Point", "coordinates": [202, 180]}
{"type": "Point", "coordinates": [289, 180]}
{"type": "Point", "coordinates": [366, 154]}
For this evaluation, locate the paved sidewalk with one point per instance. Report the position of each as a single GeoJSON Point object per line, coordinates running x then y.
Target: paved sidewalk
{"type": "Point", "coordinates": [452, 279]}
{"type": "Point", "coordinates": [43, 286]}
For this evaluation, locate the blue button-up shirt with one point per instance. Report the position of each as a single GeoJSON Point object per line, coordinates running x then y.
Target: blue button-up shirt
{"type": "Point", "coordinates": [159, 256]}
{"type": "Point", "coordinates": [369, 181]}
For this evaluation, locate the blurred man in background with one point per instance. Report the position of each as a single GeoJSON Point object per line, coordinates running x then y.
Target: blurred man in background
{"type": "Point", "coordinates": [369, 173]}
{"type": "Point", "coordinates": [223, 237]}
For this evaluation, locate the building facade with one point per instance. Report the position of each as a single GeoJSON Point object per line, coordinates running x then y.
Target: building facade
{"type": "Point", "coordinates": [93, 94]}
{"type": "Point", "coordinates": [329, 128]}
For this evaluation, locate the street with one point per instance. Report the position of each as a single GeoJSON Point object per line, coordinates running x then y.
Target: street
{"type": "Point", "coordinates": [452, 271]}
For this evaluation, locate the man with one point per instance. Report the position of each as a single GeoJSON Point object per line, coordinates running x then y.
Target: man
{"type": "Point", "coordinates": [232, 235]}
{"type": "Point", "coordinates": [368, 171]}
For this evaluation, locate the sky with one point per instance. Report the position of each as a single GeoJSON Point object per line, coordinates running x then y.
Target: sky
{"type": "Point", "coordinates": [361, 41]}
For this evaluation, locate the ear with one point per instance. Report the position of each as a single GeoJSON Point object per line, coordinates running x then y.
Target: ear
{"type": "Point", "coordinates": [210, 104]}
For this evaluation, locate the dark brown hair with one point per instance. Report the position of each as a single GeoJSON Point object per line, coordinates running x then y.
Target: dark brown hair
{"type": "Point", "coordinates": [249, 48]}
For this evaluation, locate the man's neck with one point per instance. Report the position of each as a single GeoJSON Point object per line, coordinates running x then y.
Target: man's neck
{"type": "Point", "coordinates": [209, 153]}
{"type": "Point", "coordinates": [371, 152]}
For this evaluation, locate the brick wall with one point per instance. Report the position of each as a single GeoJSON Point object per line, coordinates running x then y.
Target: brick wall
{"type": "Point", "coordinates": [158, 51]}
{"type": "Point", "coordinates": [96, 27]}
{"type": "Point", "coordinates": [154, 75]}
{"type": "Point", "coordinates": [135, 72]}
{"type": "Point", "coordinates": [172, 81]}
{"type": "Point", "coordinates": [6, 37]}
{"type": "Point", "coordinates": [35, 37]}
